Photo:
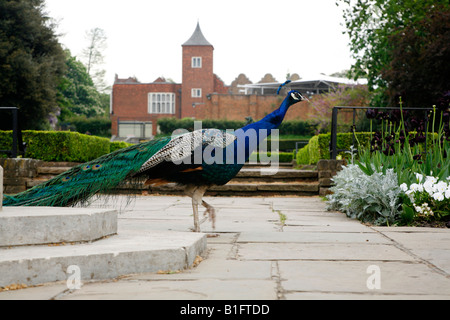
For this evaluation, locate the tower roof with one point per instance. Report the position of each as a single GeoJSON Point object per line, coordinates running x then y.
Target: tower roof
{"type": "Point", "coordinates": [197, 38]}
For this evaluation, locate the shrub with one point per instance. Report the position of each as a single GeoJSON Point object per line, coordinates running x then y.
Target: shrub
{"type": "Point", "coordinates": [97, 126]}
{"type": "Point", "coordinates": [294, 127]}
{"type": "Point", "coordinates": [370, 198]}
{"type": "Point", "coordinates": [319, 146]}
{"type": "Point", "coordinates": [117, 145]}
{"type": "Point", "coordinates": [310, 154]}
{"type": "Point", "coordinates": [58, 145]}
{"type": "Point", "coordinates": [282, 156]}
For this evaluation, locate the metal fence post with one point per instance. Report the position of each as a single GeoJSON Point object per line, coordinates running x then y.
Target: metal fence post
{"type": "Point", "coordinates": [15, 139]}
{"type": "Point", "coordinates": [333, 142]}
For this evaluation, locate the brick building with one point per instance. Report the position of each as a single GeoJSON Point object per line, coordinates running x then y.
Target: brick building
{"type": "Point", "coordinates": [136, 107]}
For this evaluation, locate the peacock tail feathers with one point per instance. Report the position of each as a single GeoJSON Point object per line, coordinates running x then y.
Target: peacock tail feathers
{"type": "Point", "coordinates": [84, 181]}
{"type": "Point", "coordinates": [123, 166]}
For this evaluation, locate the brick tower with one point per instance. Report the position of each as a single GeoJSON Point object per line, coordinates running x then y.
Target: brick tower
{"type": "Point", "coordinates": [198, 77]}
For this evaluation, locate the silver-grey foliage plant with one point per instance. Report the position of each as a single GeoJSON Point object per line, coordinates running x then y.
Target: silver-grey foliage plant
{"type": "Point", "coordinates": [373, 198]}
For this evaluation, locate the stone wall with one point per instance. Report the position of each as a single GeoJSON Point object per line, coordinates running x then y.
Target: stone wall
{"type": "Point", "coordinates": [18, 174]}
{"type": "Point", "coordinates": [327, 169]}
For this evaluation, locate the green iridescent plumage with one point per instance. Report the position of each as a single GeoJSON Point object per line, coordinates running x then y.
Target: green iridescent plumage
{"type": "Point", "coordinates": [84, 181]}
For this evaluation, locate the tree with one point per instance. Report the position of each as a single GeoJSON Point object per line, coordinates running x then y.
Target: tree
{"type": "Point", "coordinates": [93, 56]}
{"type": "Point", "coordinates": [419, 70]}
{"type": "Point", "coordinates": [83, 108]}
{"type": "Point", "coordinates": [31, 63]}
{"type": "Point", "coordinates": [78, 95]}
{"type": "Point", "coordinates": [370, 25]}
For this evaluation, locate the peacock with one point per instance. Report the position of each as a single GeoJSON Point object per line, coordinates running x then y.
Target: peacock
{"type": "Point", "coordinates": [196, 160]}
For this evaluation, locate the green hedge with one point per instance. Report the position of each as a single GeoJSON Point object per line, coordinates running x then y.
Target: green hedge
{"type": "Point", "coordinates": [282, 156]}
{"type": "Point", "coordinates": [292, 127]}
{"type": "Point", "coordinates": [116, 145]}
{"type": "Point", "coordinates": [287, 144]}
{"type": "Point", "coordinates": [61, 145]}
{"type": "Point", "coordinates": [319, 146]}
{"type": "Point", "coordinates": [97, 126]}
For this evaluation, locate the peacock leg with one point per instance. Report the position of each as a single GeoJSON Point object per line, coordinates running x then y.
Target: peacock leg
{"type": "Point", "coordinates": [196, 222]}
{"type": "Point", "coordinates": [197, 196]}
{"type": "Point", "coordinates": [211, 213]}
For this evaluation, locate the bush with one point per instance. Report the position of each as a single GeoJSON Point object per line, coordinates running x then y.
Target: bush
{"type": "Point", "coordinates": [97, 126]}
{"type": "Point", "coordinates": [58, 145]}
{"type": "Point", "coordinates": [319, 146]}
{"type": "Point", "coordinates": [310, 154]}
{"type": "Point", "coordinates": [282, 156]}
{"type": "Point", "coordinates": [117, 145]}
{"type": "Point", "coordinates": [168, 125]}
{"type": "Point", "coordinates": [295, 127]}
{"type": "Point", "coordinates": [284, 145]}
{"type": "Point", "coordinates": [370, 198]}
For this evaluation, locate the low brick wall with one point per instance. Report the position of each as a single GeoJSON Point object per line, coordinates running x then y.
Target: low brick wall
{"type": "Point", "coordinates": [327, 169]}
{"type": "Point", "coordinates": [18, 173]}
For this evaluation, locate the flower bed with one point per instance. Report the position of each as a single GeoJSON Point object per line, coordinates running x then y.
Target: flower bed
{"type": "Point", "coordinates": [402, 178]}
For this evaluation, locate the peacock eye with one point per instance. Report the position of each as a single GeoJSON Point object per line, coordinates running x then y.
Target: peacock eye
{"type": "Point", "coordinates": [86, 167]}
{"type": "Point", "coordinates": [97, 166]}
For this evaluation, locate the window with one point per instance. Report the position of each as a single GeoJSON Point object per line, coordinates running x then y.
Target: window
{"type": "Point", "coordinates": [196, 62]}
{"type": "Point", "coordinates": [196, 93]}
{"type": "Point", "coordinates": [161, 102]}
{"type": "Point", "coordinates": [136, 129]}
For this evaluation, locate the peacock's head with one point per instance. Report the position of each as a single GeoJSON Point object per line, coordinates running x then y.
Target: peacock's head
{"type": "Point", "coordinates": [293, 95]}
{"type": "Point", "coordinates": [296, 96]}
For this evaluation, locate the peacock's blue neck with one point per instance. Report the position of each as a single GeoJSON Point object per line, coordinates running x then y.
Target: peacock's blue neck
{"type": "Point", "coordinates": [254, 133]}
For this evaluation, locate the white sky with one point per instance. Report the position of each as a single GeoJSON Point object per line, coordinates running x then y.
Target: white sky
{"type": "Point", "coordinates": [253, 37]}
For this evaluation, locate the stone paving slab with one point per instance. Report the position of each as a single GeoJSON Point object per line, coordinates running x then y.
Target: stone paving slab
{"type": "Point", "coordinates": [321, 251]}
{"type": "Point", "coordinates": [397, 278]}
{"type": "Point", "coordinates": [201, 289]}
{"type": "Point", "coordinates": [312, 237]}
{"type": "Point", "coordinates": [317, 254]}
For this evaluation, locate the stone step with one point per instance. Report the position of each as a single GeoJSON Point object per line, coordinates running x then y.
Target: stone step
{"type": "Point", "coordinates": [39, 244]}
{"type": "Point", "coordinates": [44, 225]}
{"type": "Point", "coordinates": [284, 165]}
{"type": "Point", "coordinates": [245, 189]}
{"type": "Point", "coordinates": [267, 177]}
{"type": "Point", "coordinates": [126, 253]}
{"type": "Point", "coordinates": [52, 170]}
{"type": "Point", "coordinates": [273, 174]}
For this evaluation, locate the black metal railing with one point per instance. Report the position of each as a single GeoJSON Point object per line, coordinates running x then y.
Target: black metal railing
{"type": "Point", "coordinates": [18, 146]}
{"type": "Point", "coordinates": [334, 125]}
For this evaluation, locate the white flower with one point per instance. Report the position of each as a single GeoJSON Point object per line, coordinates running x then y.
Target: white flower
{"type": "Point", "coordinates": [447, 193]}
{"type": "Point", "coordinates": [404, 187]}
{"type": "Point", "coordinates": [429, 186]}
{"type": "Point", "coordinates": [431, 178]}
{"type": "Point", "coordinates": [416, 187]}
{"type": "Point", "coordinates": [438, 196]}
{"type": "Point", "coordinates": [419, 177]}
{"type": "Point", "coordinates": [441, 186]}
